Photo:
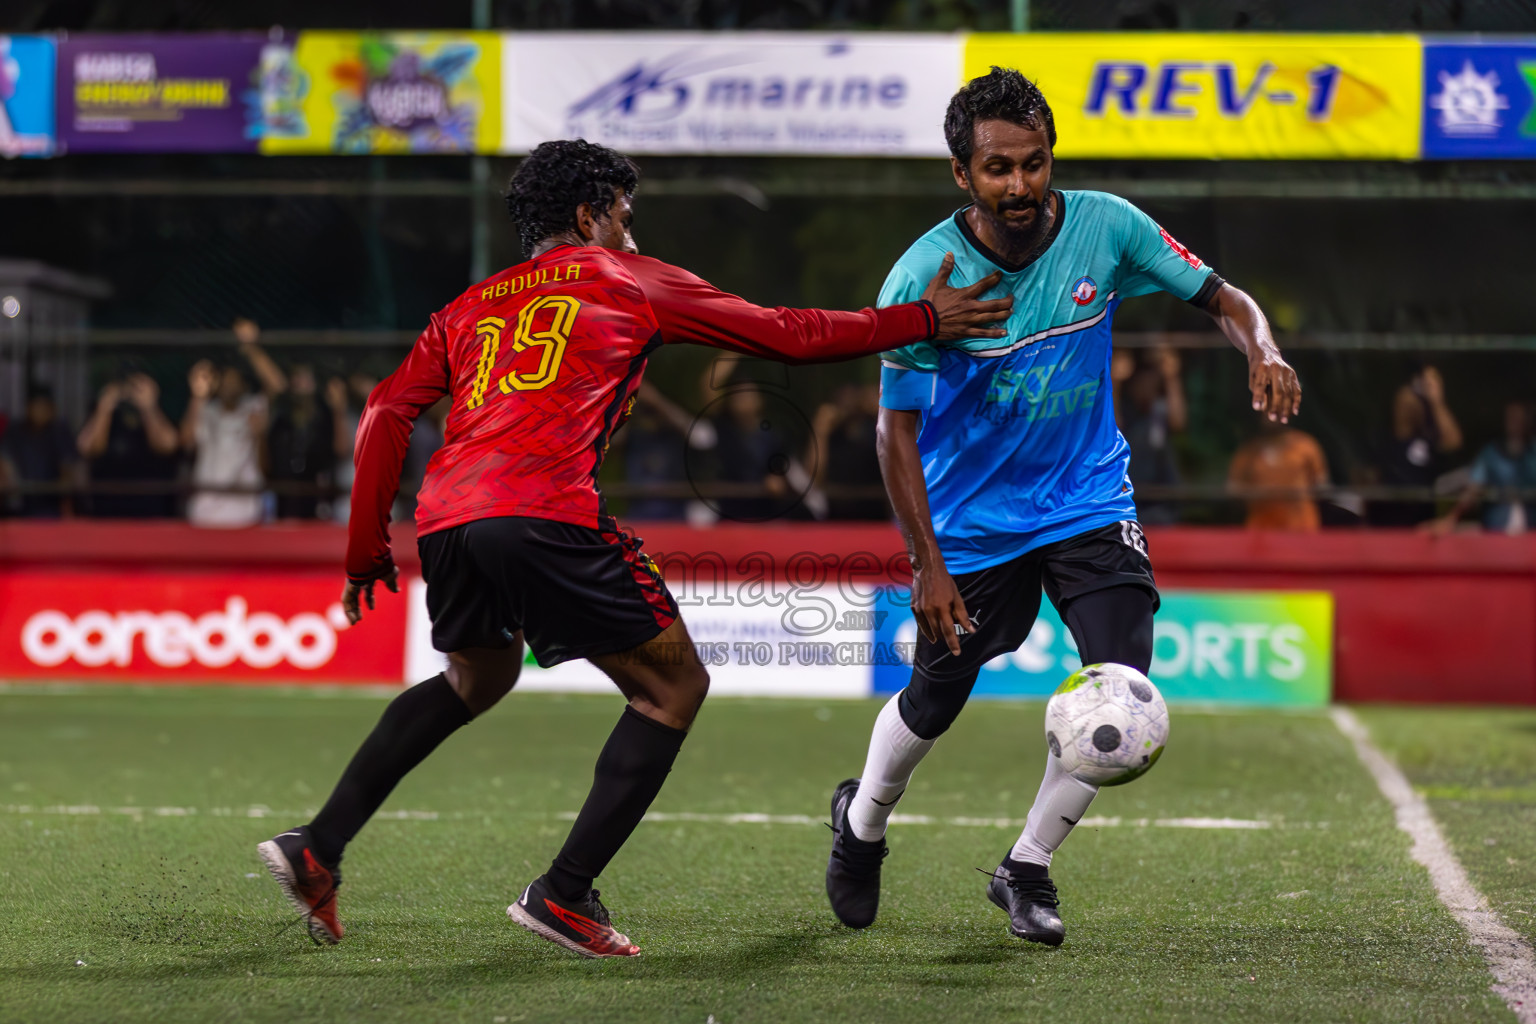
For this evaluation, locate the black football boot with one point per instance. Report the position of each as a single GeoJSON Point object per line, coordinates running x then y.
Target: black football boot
{"type": "Point", "coordinates": [1029, 897]}
{"type": "Point", "coordinates": [853, 869]}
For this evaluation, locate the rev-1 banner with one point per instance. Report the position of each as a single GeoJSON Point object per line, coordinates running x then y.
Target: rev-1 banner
{"type": "Point", "coordinates": [1198, 95]}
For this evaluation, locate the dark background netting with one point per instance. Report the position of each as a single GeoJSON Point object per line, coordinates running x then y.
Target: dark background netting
{"type": "Point", "coordinates": [1364, 268]}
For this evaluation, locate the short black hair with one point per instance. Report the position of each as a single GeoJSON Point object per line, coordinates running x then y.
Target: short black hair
{"type": "Point", "coordinates": [559, 176]}
{"type": "Point", "coordinates": [1003, 94]}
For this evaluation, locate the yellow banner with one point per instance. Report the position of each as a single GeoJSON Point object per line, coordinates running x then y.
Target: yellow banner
{"type": "Point", "coordinates": [1220, 94]}
{"type": "Point", "coordinates": [383, 92]}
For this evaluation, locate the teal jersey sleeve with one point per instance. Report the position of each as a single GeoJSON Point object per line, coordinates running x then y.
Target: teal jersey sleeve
{"type": "Point", "coordinates": [1153, 260]}
{"type": "Point", "coordinates": [906, 373]}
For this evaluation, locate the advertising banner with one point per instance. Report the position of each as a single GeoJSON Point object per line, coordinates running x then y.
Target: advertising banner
{"type": "Point", "coordinates": [26, 96]}
{"type": "Point", "coordinates": [159, 93]}
{"type": "Point", "coordinates": [1226, 95]}
{"type": "Point", "coordinates": [1480, 100]}
{"type": "Point", "coordinates": [770, 640]}
{"type": "Point", "coordinates": [384, 92]}
{"type": "Point", "coordinates": [168, 627]}
{"type": "Point", "coordinates": [758, 93]}
{"type": "Point", "coordinates": [1230, 647]}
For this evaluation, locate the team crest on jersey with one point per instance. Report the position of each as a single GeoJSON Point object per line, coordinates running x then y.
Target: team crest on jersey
{"type": "Point", "coordinates": [1083, 290]}
{"type": "Point", "coordinates": [1184, 254]}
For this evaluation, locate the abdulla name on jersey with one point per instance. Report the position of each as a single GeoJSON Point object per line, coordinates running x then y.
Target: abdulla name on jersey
{"type": "Point", "coordinates": [1018, 438]}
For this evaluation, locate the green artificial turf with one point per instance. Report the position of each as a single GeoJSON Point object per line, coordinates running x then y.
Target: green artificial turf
{"type": "Point", "coordinates": [164, 914]}
{"type": "Point", "coordinates": [1477, 769]}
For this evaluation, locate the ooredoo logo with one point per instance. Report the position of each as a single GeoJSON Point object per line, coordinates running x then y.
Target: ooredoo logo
{"type": "Point", "coordinates": [172, 639]}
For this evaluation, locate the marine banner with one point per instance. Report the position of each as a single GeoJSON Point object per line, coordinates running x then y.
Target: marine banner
{"type": "Point", "coordinates": [159, 93]}
{"type": "Point", "coordinates": [383, 92]}
{"type": "Point", "coordinates": [1210, 646]}
{"type": "Point", "coordinates": [751, 93]}
{"type": "Point", "coordinates": [1480, 100]}
{"type": "Point", "coordinates": [26, 96]}
{"type": "Point", "coordinates": [1226, 95]}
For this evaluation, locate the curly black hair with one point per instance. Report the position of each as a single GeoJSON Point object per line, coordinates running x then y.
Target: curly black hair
{"type": "Point", "coordinates": [1001, 95]}
{"type": "Point", "coordinates": [559, 176]}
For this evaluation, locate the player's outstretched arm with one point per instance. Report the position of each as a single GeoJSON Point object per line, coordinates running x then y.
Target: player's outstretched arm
{"type": "Point", "coordinates": [690, 309]}
{"type": "Point", "coordinates": [1273, 383]}
{"type": "Point", "coordinates": [936, 601]}
{"type": "Point", "coordinates": [383, 434]}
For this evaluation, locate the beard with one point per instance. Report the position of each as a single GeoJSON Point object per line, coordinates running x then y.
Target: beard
{"type": "Point", "coordinates": [1023, 237]}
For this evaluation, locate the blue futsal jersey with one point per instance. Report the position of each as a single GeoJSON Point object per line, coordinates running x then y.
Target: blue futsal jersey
{"type": "Point", "coordinates": [1018, 438]}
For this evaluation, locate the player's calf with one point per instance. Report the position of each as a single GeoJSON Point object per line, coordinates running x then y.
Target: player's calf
{"type": "Point", "coordinates": [308, 884]}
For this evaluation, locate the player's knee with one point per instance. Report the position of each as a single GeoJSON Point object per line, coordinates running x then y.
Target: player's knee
{"type": "Point", "coordinates": [690, 691]}
{"type": "Point", "coordinates": [480, 686]}
{"type": "Point", "coordinates": [925, 711]}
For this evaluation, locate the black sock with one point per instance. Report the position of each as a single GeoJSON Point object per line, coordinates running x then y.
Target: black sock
{"type": "Point", "coordinates": [411, 728]}
{"type": "Point", "coordinates": [630, 770]}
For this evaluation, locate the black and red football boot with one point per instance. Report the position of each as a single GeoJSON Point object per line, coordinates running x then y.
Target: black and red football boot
{"type": "Point", "coordinates": [309, 884]}
{"type": "Point", "coordinates": [581, 926]}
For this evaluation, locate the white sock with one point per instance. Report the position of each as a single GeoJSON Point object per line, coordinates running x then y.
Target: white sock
{"type": "Point", "coordinates": [894, 751]}
{"type": "Point", "coordinates": [1059, 805]}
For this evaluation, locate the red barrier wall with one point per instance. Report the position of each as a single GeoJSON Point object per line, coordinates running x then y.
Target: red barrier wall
{"type": "Point", "coordinates": [1417, 618]}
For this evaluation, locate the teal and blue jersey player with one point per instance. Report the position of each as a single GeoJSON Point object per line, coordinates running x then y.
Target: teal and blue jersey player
{"type": "Point", "coordinates": [1008, 475]}
{"type": "Point", "coordinates": [1017, 434]}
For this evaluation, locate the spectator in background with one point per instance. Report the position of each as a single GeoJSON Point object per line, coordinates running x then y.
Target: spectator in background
{"type": "Point", "coordinates": [301, 446]}
{"type": "Point", "coordinates": [129, 439]}
{"type": "Point", "coordinates": [225, 428]}
{"type": "Point", "coordinates": [751, 451]}
{"type": "Point", "coordinates": [346, 399]}
{"type": "Point", "coordinates": [38, 449]}
{"type": "Point", "coordinates": [656, 440]}
{"type": "Point", "coordinates": [1280, 469]}
{"type": "Point", "coordinates": [1423, 430]}
{"type": "Point", "coordinates": [1150, 409]}
{"type": "Point", "coordinates": [1505, 465]}
{"type": "Point", "coordinates": [426, 439]}
{"type": "Point", "coordinates": [842, 450]}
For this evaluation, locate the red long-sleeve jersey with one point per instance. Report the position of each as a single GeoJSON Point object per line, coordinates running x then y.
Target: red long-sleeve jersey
{"type": "Point", "coordinates": [542, 362]}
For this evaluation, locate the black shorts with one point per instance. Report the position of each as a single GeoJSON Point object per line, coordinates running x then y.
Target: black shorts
{"type": "Point", "coordinates": [574, 591]}
{"type": "Point", "coordinates": [1003, 600]}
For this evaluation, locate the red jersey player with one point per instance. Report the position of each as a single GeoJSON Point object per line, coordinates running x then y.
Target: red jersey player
{"type": "Point", "coordinates": [542, 362]}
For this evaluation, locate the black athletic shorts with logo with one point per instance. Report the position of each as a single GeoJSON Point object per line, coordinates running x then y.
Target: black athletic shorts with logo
{"type": "Point", "coordinates": [574, 591]}
{"type": "Point", "coordinates": [1004, 600]}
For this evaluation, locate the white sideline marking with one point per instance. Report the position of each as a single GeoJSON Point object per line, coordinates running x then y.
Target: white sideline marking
{"type": "Point", "coordinates": [748, 818]}
{"type": "Point", "coordinates": [1509, 958]}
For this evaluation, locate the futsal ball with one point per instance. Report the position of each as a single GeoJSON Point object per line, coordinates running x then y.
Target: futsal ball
{"type": "Point", "coordinates": [1107, 723]}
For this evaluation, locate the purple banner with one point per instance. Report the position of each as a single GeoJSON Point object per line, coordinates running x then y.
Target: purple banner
{"type": "Point", "coordinates": [159, 94]}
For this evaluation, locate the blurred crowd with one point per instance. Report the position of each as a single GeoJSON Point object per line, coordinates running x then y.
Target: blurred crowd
{"type": "Point", "coordinates": [260, 442]}
{"type": "Point", "coordinates": [255, 443]}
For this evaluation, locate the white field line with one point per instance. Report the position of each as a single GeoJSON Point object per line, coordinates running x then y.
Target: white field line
{"type": "Point", "coordinates": [924, 819]}
{"type": "Point", "coordinates": [749, 818]}
{"type": "Point", "coordinates": [1509, 957]}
